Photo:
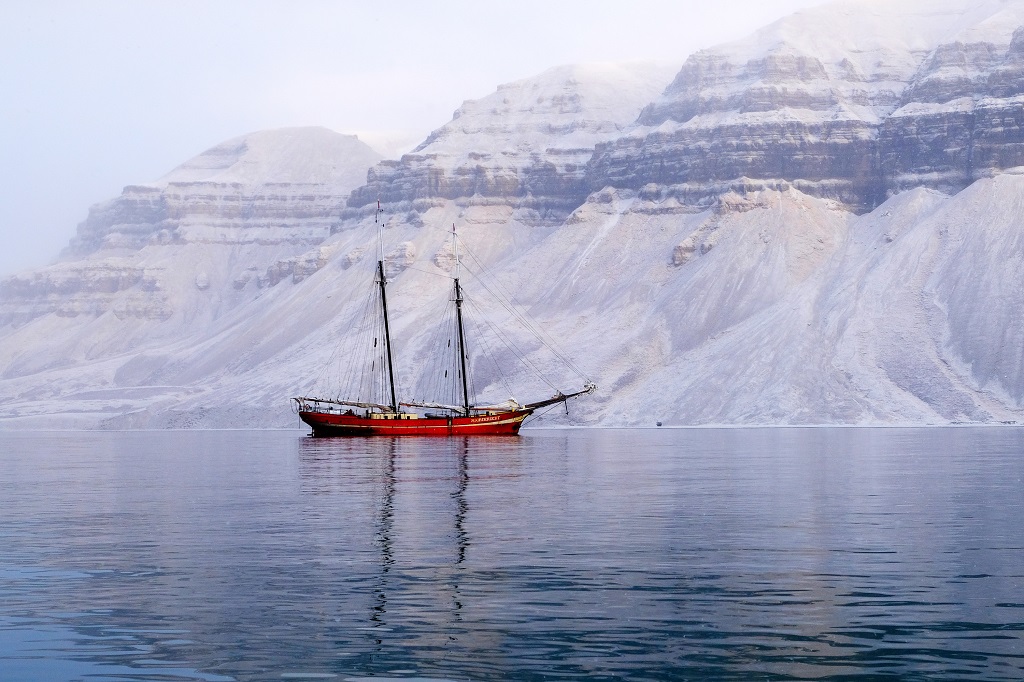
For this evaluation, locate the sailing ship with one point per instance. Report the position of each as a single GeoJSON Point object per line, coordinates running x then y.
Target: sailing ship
{"type": "Point", "coordinates": [361, 417]}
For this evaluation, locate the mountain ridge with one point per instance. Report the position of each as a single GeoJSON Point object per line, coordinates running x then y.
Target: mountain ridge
{"type": "Point", "coordinates": [819, 241]}
{"type": "Point", "coordinates": [809, 108]}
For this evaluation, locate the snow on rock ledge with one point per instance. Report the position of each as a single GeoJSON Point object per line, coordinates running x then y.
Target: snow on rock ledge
{"type": "Point", "coordinates": [526, 144]}
{"type": "Point", "coordinates": [276, 186]}
{"type": "Point", "coordinates": [253, 208]}
{"type": "Point", "coordinates": [844, 101]}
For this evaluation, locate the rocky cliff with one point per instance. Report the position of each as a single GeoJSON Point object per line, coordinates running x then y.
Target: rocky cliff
{"type": "Point", "coordinates": [961, 118]}
{"type": "Point", "coordinates": [526, 145]}
{"type": "Point", "coordinates": [182, 251]}
{"type": "Point", "coordinates": [853, 102]}
{"type": "Point", "coordinates": [271, 187]}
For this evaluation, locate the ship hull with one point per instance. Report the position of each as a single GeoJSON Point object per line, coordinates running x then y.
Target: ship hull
{"type": "Point", "coordinates": [495, 424]}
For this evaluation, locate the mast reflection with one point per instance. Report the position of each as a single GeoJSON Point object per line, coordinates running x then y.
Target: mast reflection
{"type": "Point", "coordinates": [461, 536]}
{"type": "Point", "coordinates": [400, 515]}
{"type": "Point", "coordinates": [383, 538]}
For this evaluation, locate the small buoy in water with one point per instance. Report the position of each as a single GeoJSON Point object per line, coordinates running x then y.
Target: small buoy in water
{"type": "Point", "coordinates": [658, 423]}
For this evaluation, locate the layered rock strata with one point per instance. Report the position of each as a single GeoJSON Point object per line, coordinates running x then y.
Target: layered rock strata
{"type": "Point", "coordinates": [961, 118]}
{"type": "Point", "coordinates": [239, 217]}
{"type": "Point", "coordinates": [527, 144]}
{"type": "Point", "coordinates": [277, 186]}
{"type": "Point", "coordinates": [69, 290]}
{"type": "Point", "coordinates": [853, 110]}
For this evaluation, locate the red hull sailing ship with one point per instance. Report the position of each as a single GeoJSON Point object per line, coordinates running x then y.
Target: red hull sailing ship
{"type": "Point", "coordinates": [338, 417]}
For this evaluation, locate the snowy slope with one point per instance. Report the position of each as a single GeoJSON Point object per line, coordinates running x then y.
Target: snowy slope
{"type": "Point", "coordinates": [173, 256]}
{"type": "Point", "coordinates": [790, 310]}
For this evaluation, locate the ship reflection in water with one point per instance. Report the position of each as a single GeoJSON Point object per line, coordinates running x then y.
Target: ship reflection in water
{"type": "Point", "coordinates": [616, 554]}
{"type": "Point", "coordinates": [422, 552]}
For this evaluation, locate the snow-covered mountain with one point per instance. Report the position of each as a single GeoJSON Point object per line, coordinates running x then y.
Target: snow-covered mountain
{"type": "Point", "coordinates": [853, 101]}
{"type": "Point", "coordinates": [273, 186]}
{"type": "Point", "coordinates": [819, 224]}
{"type": "Point", "coordinates": [526, 145]}
{"type": "Point", "coordinates": [172, 256]}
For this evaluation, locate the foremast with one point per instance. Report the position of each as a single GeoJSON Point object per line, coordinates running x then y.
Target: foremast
{"type": "Point", "coordinates": [559, 397]}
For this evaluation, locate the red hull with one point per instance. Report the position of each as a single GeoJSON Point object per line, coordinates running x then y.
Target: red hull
{"type": "Point", "coordinates": [495, 424]}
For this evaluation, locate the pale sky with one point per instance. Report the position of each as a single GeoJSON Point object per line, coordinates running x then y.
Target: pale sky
{"type": "Point", "coordinates": [101, 94]}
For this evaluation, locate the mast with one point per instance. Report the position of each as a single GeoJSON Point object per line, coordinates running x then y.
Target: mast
{"type": "Point", "coordinates": [383, 280]}
{"type": "Point", "coordinates": [458, 317]}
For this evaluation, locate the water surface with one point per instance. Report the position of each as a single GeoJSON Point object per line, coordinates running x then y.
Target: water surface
{"type": "Point", "coordinates": [726, 554]}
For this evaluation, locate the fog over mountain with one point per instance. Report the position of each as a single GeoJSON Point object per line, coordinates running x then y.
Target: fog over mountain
{"type": "Point", "coordinates": [818, 224]}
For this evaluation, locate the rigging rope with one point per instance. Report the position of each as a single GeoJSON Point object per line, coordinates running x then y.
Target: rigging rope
{"type": "Point", "coordinates": [507, 340]}
{"type": "Point", "coordinates": [482, 338]}
{"type": "Point", "coordinates": [519, 315]}
{"type": "Point", "coordinates": [364, 369]}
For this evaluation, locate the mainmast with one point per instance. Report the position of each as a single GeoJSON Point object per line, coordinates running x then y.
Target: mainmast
{"type": "Point", "coordinates": [458, 317]}
{"type": "Point", "coordinates": [383, 280]}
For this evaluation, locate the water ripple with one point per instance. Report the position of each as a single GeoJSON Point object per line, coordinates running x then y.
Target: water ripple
{"type": "Point", "coordinates": [770, 554]}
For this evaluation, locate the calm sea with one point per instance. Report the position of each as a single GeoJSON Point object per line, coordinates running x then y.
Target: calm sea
{"type": "Point", "coordinates": [719, 554]}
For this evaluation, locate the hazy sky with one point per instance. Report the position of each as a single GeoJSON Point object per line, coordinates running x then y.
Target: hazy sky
{"type": "Point", "coordinates": [97, 95]}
